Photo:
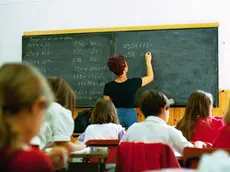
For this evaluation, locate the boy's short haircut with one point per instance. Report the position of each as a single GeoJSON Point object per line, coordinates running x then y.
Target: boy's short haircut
{"type": "Point", "coordinates": [152, 101]}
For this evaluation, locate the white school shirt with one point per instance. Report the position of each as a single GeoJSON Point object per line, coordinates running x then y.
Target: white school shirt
{"type": "Point", "coordinates": [103, 131]}
{"type": "Point", "coordinates": [155, 130]}
{"type": "Point", "coordinates": [35, 141]}
{"type": "Point", "coordinates": [57, 126]}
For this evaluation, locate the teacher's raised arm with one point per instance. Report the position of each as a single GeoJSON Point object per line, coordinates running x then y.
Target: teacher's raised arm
{"type": "Point", "coordinates": [122, 90]}
{"type": "Point", "coordinates": [150, 75]}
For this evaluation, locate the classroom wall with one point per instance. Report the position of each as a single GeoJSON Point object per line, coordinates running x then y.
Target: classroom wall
{"type": "Point", "coordinates": [17, 16]}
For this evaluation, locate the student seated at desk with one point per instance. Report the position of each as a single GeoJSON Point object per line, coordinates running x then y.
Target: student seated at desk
{"type": "Point", "coordinates": [223, 136]}
{"type": "Point", "coordinates": [198, 122]}
{"type": "Point", "coordinates": [155, 107]}
{"type": "Point", "coordinates": [104, 123]}
{"type": "Point", "coordinates": [58, 125]}
{"type": "Point", "coordinates": [24, 98]}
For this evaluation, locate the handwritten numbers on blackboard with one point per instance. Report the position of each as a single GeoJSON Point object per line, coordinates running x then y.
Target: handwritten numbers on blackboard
{"type": "Point", "coordinates": [136, 45]}
{"type": "Point", "coordinates": [93, 59]}
{"type": "Point", "coordinates": [77, 60]}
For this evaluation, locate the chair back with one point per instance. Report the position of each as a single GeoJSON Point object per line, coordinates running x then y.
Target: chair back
{"type": "Point", "coordinates": [136, 157]}
{"type": "Point", "coordinates": [112, 149]}
{"type": "Point", "coordinates": [192, 156]}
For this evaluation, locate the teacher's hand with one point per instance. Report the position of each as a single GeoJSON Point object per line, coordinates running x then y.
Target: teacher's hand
{"type": "Point", "coordinates": [148, 58]}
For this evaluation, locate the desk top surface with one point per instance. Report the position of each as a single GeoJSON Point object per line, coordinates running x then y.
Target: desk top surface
{"type": "Point", "coordinates": [101, 152]}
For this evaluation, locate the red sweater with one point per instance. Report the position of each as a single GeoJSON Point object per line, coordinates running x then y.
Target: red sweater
{"type": "Point", "coordinates": [206, 129]}
{"type": "Point", "coordinates": [32, 160]}
{"type": "Point", "coordinates": [223, 138]}
{"type": "Point", "coordinates": [136, 157]}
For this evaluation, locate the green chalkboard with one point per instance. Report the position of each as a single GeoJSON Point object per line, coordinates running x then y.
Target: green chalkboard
{"type": "Point", "coordinates": [184, 60]}
{"type": "Point", "coordinates": [79, 58]}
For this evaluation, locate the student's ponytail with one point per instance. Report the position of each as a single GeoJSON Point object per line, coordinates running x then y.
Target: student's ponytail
{"type": "Point", "coordinates": [7, 136]}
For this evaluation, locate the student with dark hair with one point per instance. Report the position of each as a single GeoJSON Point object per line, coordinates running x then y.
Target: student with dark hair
{"type": "Point", "coordinates": [155, 107]}
{"type": "Point", "coordinates": [122, 90]}
{"type": "Point", "coordinates": [104, 122]}
{"type": "Point", "coordinates": [58, 126]}
{"type": "Point", "coordinates": [198, 122]}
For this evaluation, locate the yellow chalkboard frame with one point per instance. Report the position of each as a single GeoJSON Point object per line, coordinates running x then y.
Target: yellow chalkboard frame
{"type": "Point", "coordinates": [128, 28]}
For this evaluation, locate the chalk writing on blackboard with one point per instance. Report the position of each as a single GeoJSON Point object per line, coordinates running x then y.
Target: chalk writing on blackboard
{"type": "Point", "coordinates": [90, 83]}
{"type": "Point", "coordinates": [87, 43]}
{"type": "Point", "coordinates": [38, 44]}
{"type": "Point", "coordinates": [183, 60]}
{"type": "Point", "coordinates": [136, 45]}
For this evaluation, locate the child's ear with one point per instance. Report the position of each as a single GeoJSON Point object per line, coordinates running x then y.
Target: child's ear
{"type": "Point", "coordinates": [39, 104]}
{"type": "Point", "coordinates": [165, 108]}
{"type": "Point", "coordinates": [113, 118]}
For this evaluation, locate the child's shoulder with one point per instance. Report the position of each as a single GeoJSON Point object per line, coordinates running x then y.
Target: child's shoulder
{"type": "Point", "coordinates": [32, 158]}
{"type": "Point", "coordinates": [56, 108]}
{"type": "Point", "coordinates": [55, 105]}
{"type": "Point", "coordinates": [118, 126]}
{"type": "Point", "coordinates": [107, 126]}
{"type": "Point", "coordinates": [30, 153]}
{"type": "Point", "coordinates": [93, 127]}
{"type": "Point", "coordinates": [217, 120]}
{"type": "Point", "coordinates": [114, 125]}
{"type": "Point", "coordinates": [136, 126]}
{"type": "Point", "coordinates": [104, 125]}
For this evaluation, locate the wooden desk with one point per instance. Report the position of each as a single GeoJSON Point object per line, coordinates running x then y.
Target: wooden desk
{"type": "Point", "coordinates": [85, 155]}
{"type": "Point", "coordinates": [88, 153]}
{"type": "Point", "coordinates": [178, 156]}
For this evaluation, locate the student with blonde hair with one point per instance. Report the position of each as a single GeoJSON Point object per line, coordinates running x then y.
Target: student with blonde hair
{"type": "Point", "coordinates": [58, 125]}
{"type": "Point", "coordinates": [198, 122]}
{"type": "Point", "coordinates": [24, 99]}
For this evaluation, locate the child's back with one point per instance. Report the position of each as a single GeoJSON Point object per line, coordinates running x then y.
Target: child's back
{"type": "Point", "coordinates": [207, 128]}
{"type": "Point", "coordinates": [25, 161]}
{"type": "Point", "coordinates": [223, 136]}
{"type": "Point", "coordinates": [104, 122]}
{"type": "Point", "coordinates": [197, 122]}
{"type": "Point", "coordinates": [103, 131]}
{"type": "Point", "coordinates": [155, 107]}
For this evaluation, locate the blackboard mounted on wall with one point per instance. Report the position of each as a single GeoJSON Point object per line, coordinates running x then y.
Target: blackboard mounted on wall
{"type": "Point", "coordinates": [185, 58]}
{"type": "Point", "coordinates": [78, 58]}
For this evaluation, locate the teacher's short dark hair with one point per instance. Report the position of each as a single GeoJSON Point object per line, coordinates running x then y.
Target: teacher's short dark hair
{"type": "Point", "coordinates": [116, 64]}
{"type": "Point", "coordinates": [152, 101]}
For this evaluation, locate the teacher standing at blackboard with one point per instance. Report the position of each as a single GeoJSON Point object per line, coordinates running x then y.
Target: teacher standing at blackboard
{"type": "Point", "coordinates": [122, 90]}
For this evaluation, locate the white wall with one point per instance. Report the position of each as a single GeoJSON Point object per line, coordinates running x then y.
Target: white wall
{"type": "Point", "coordinates": [17, 16]}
